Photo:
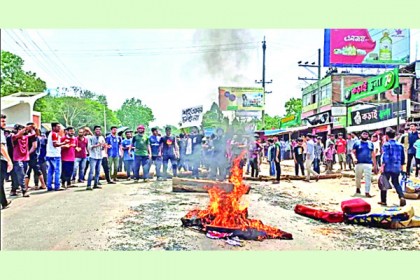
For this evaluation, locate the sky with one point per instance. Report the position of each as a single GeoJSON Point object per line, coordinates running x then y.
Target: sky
{"type": "Point", "coordinates": [171, 69]}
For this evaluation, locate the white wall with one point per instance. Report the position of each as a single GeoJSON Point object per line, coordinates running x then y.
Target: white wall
{"type": "Point", "coordinates": [21, 114]}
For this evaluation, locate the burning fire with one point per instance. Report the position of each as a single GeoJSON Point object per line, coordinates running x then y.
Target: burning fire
{"type": "Point", "coordinates": [227, 211]}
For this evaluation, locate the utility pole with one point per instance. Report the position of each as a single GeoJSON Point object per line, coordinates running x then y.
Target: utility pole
{"type": "Point", "coordinates": [263, 82]}
{"type": "Point", "coordinates": [318, 79]}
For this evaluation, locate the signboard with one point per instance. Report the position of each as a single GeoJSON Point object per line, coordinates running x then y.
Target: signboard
{"type": "Point", "coordinates": [241, 99]}
{"type": "Point", "coordinates": [320, 129]}
{"type": "Point", "coordinates": [372, 86]}
{"type": "Point", "coordinates": [378, 114]}
{"type": "Point", "coordinates": [338, 111]}
{"type": "Point", "coordinates": [290, 121]}
{"type": "Point", "coordinates": [192, 116]}
{"type": "Point", "coordinates": [369, 48]}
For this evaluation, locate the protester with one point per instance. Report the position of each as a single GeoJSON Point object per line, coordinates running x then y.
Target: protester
{"type": "Point", "coordinates": [319, 152]}
{"type": "Point", "coordinates": [416, 146]}
{"type": "Point", "coordinates": [330, 140]}
{"type": "Point", "coordinates": [377, 148]}
{"type": "Point", "coordinates": [310, 156]}
{"type": "Point", "coordinates": [142, 154]}
{"type": "Point", "coordinates": [365, 159]}
{"type": "Point", "coordinates": [169, 151]}
{"type": "Point", "coordinates": [68, 156]}
{"type": "Point", "coordinates": [88, 133]}
{"type": "Point", "coordinates": [277, 159]}
{"type": "Point", "coordinates": [96, 145]}
{"type": "Point", "coordinates": [196, 140]}
{"type": "Point", "coordinates": [6, 163]}
{"type": "Point", "coordinates": [329, 157]}
{"type": "Point", "coordinates": [105, 165]}
{"type": "Point", "coordinates": [351, 139]}
{"type": "Point", "coordinates": [53, 157]}
{"type": "Point", "coordinates": [33, 164]}
{"type": "Point", "coordinates": [183, 162]}
{"type": "Point", "coordinates": [255, 157]}
{"type": "Point", "coordinates": [411, 152]}
{"type": "Point", "coordinates": [298, 157]}
{"type": "Point", "coordinates": [341, 151]}
{"type": "Point", "coordinates": [392, 165]}
{"type": "Point", "coordinates": [271, 154]}
{"type": "Point", "coordinates": [80, 157]}
{"type": "Point", "coordinates": [42, 162]}
{"type": "Point", "coordinates": [218, 160]}
{"type": "Point", "coordinates": [114, 146]}
{"type": "Point", "coordinates": [128, 156]}
{"type": "Point", "coordinates": [20, 142]}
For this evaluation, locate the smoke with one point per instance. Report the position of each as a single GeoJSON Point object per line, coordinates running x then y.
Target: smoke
{"type": "Point", "coordinates": [226, 54]}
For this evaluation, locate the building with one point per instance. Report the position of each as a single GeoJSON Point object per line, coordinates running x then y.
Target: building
{"type": "Point", "coordinates": [326, 112]}
{"type": "Point", "coordinates": [18, 108]}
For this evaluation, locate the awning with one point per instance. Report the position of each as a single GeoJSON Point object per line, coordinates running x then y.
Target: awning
{"type": "Point", "coordinates": [375, 126]}
{"type": "Point", "coordinates": [273, 132]}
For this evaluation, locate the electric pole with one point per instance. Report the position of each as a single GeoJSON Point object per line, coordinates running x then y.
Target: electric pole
{"type": "Point", "coordinates": [263, 82]}
{"type": "Point", "coordinates": [318, 66]}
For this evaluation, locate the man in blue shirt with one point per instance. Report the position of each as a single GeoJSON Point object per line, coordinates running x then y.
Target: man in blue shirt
{"type": "Point", "coordinates": [128, 157]}
{"type": "Point", "coordinates": [169, 151]}
{"type": "Point", "coordinates": [154, 141]}
{"type": "Point", "coordinates": [364, 157]}
{"type": "Point", "coordinates": [393, 159]}
{"type": "Point", "coordinates": [411, 152]}
{"type": "Point", "coordinates": [114, 145]}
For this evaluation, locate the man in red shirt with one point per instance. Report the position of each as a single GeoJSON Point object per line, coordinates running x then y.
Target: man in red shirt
{"type": "Point", "coordinates": [21, 155]}
{"type": "Point", "coordinates": [67, 158]}
{"type": "Point", "coordinates": [81, 156]}
{"type": "Point", "coordinates": [341, 147]}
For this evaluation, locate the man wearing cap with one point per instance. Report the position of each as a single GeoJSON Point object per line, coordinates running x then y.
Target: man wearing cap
{"type": "Point", "coordinates": [310, 156]}
{"type": "Point", "coordinates": [154, 140]}
{"type": "Point", "coordinates": [128, 156]}
{"type": "Point", "coordinates": [365, 160]}
{"type": "Point", "coordinates": [142, 154]}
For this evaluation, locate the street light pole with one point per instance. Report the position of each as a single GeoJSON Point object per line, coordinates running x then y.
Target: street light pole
{"type": "Point", "coordinates": [319, 81]}
{"type": "Point", "coordinates": [263, 82]}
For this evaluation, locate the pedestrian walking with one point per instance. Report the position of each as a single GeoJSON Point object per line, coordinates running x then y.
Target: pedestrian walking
{"type": "Point", "coordinates": [310, 156]}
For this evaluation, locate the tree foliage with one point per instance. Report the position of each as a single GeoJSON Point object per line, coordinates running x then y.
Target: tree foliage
{"type": "Point", "coordinates": [14, 79]}
{"type": "Point", "coordinates": [133, 112]}
{"type": "Point", "coordinates": [293, 106]}
{"type": "Point", "coordinates": [214, 118]}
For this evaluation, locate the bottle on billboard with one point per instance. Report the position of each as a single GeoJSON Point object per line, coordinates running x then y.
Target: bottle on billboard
{"type": "Point", "coordinates": [385, 47]}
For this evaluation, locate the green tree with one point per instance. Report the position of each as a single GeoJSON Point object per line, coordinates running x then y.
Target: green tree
{"type": "Point", "coordinates": [13, 79]}
{"type": "Point", "coordinates": [270, 122]}
{"type": "Point", "coordinates": [213, 118]}
{"type": "Point", "coordinates": [133, 112]}
{"type": "Point", "coordinates": [293, 106]}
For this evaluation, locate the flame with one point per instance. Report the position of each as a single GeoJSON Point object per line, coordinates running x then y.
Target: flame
{"type": "Point", "coordinates": [229, 210]}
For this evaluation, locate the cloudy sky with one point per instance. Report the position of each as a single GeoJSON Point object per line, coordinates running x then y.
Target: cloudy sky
{"type": "Point", "coordinates": [170, 69]}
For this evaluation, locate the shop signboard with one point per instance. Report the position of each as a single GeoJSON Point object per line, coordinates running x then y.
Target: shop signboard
{"type": "Point", "coordinates": [378, 114]}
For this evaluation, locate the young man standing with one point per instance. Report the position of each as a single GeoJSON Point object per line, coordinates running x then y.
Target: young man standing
{"type": "Point", "coordinates": [392, 165]}
{"type": "Point", "coordinates": [351, 139]}
{"type": "Point", "coordinates": [196, 141]}
{"type": "Point", "coordinates": [365, 159]}
{"type": "Point", "coordinates": [154, 141]}
{"type": "Point", "coordinates": [54, 157]}
{"type": "Point", "coordinates": [298, 157]}
{"type": "Point", "coordinates": [310, 156]}
{"type": "Point", "coordinates": [33, 164]}
{"type": "Point", "coordinates": [80, 156]}
{"type": "Point", "coordinates": [277, 159]}
{"type": "Point", "coordinates": [411, 152]}
{"type": "Point", "coordinates": [169, 151]}
{"type": "Point", "coordinates": [128, 156]}
{"type": "Point", "coordinates": [218, 162]}
{"type": "Point", "coordinates": [341, 151]}
{"type": "Point", "coordinates": [68, 157]}
{"type": "Point", "coordinates": [142, 154]}
{"type": "Point", "coordinates": [21, 154]}
{"type": "Point", "coordinates": [96, 144]}
{"type": "Point", "coordinates": [319, 151]}
{"type": "Point", "coordinates": [271, 155]}
{"type": "Point", "coordinates": [114, 146]}
{"type": "Point", "coordinates": [6, 163]}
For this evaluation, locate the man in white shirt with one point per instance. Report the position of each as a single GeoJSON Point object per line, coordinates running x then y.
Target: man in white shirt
{"type": "Point", "coordinates": [53, 157]}
{"type": "Point", "coordinates": [310, 156]}
{"type": "Point", "coordinates": [96, 145]}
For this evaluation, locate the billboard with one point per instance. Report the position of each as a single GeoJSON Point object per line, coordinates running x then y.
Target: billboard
{"type": "Point", "coordinates": [241, 99]}
{"type": "Point", "coordinates": [368, 48]}
{"type": "Point", "coordinates": [375, 85]}
{"type": "Point", "coordinates": [379, 113]}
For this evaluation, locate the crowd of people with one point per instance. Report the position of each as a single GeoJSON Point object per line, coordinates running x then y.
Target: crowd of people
{"type": "Point", "coordinates": [60, 158]}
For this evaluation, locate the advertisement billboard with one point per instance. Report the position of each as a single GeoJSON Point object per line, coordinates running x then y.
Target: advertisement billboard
{"type": "Point", "coordinates": [375, 85]}
{"type": "Point", "coordinates": [369, 48]}
{"type": "Point", "coordinates": [379, 113]}
{"type": "Point", "coordinates": [241, 99]}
